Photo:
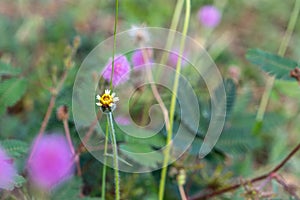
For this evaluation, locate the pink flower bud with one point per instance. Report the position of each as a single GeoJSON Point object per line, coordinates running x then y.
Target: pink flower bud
{"type": "Point", "coordinates": [209, 16]}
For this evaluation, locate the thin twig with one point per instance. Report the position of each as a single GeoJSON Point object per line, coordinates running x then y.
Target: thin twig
{"type": "Point", "coordinates": [45, 122]}
{"type": "Point", "coordinates": [47, 115]}
{"type": "Point", "coordinates": [259, 178]}
{"type": "Point", "coordinates": [286, 187]}
{"type": "Point", "coordinates": [67, 131]}
{"type": "Point", "coordinates": [90, 131]}
{"type": "Point", "coordinates": [264, 183]}
{"type": "Point", "coordinates": [50, 109]}
{"type": "Point", "coordinates": [182, 192]}
{"type": "Point", "coordinates": [155, 90]}
{"type": "Point", "coordinates": [54, 92]}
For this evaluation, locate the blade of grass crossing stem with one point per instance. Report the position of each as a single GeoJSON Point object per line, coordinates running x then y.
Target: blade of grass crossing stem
{"type": "Point", "coordinates": [173, 103]}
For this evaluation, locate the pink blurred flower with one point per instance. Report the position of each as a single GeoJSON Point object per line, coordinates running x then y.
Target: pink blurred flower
{"type": "Point", "coordinates": [51, 161]}
{"type": "Point", "coordinates": [137, 58]}
{"type": "Point", "coordinates": [121, 70]}
{"type": "Point", "coordinates": [209, 16]}
{"type": "Point", "coordinates": [234, 73]}
{"type": "Point", "coordinates": [173, 58]}
{"type": "Point", "coordinates": [122, 120]}
{"type": "Point", "coordinates": [7, 171]}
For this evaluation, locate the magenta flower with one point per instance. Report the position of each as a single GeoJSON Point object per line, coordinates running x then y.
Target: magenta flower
{"type": "Point", "coordinates": [7, 171]}
{"type": "Point", "coordinates": [137, 58]}
{"type": "Point", "coordinates": [51, 161]}
{"type": "Point", "coordinates": [209, 16]}
{"type": "Point", "coordinates": [121, 70]}
{"type": "Point", "coordinates": [173, 59]}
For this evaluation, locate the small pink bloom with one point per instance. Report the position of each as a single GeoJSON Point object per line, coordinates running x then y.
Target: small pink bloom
{"type": "Point", "coordinates": [51, 161]}
{"type": "Point", "coordinates": [173, 59]}
{"type": "Point", "coordinates": [121, 70]}
{"type": "Point", "coordinates": [209, 16]}
{"type": "Point", "coordinates": [7, 171]}
{"type": "Point", "coordinates": [122, 120]}
{"type": "Point", "coordinates": [137, 58]}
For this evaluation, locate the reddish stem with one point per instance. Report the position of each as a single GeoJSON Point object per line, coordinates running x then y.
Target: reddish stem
{"type": "Point", "coordinates": [259, 178]}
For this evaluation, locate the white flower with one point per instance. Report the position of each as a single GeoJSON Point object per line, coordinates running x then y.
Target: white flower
{"type": "Point", "coordinates": [107, 101]}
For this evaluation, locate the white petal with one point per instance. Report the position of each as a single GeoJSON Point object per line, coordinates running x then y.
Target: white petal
{"type": "Point", "coordinates": [116, 99]}
{"type": "Point", "coordinates": [107, 91]}
{"type": "Point", "coordinates": [113, 95]}
{"type": "Point", "coordinates": [98, 104]}
{"type": "Point", "coordinates": [98, 97]}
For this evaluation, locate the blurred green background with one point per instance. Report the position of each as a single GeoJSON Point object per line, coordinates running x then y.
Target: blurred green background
{"type": "Point", "coordinates": [34, 36]}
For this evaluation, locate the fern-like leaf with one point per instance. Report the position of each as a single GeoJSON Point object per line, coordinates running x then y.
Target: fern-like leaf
{"type": "Point", "coordinates": [273, 64]}
{"type": "Point", "coordinates": [69, 190]}
{"type": "Point", "coordinates": [14, 148]}
{"type": "Point", "coordinates": [11, 91]}
{"type": "Point", "coordinates": [6, 69]}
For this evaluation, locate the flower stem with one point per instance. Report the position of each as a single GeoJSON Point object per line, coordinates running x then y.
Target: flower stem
{"type": "Point", "coordinates": [104, 163]}
{"type": "Point", "coordinates": [114, 45]}
{"type": "Point", "coordinates": [115, 155]}
{"type": "Point", "coordinates": [173, 103]}
{"type": "Point", "coordinates": [271, 80]}
{"type": "Point", "coordinates": [110, 123]}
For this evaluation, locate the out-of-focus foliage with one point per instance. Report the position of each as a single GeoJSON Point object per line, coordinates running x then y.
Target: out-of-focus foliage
{"type": "Point", "coordinates": [34, 42]}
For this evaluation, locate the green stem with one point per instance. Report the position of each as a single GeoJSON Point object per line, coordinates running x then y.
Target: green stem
{"type": "Point", "coordinates": [115, 155]}
{"type": "Point", "coordinates": [173, 26]}
{"type": "Point", "coordinates": [110, 121]}
{"type": "Point", "coordinates": [104, 163]}
{"type": "Point", "coordinates": [282, 49]}
{"type": "Point", "coordinates": [173, 103]}
{"type": "Point", "coordinates": [114, 46]}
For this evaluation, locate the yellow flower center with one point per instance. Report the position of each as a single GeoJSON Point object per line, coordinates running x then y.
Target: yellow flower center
{"type": "Point", "coordinates": [106, 100]}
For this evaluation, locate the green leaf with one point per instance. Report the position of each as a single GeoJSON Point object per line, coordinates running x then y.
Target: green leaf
{"type": "Point", "coordinates": [155, 140]}
{"type": "Point", "coordinates": [7, 69]}
{"type": "Point", "coordinates": [191, 110]}
{"type": "Point", "coordinates": [135, 153]}
{"type": "Point", "coordinates": [19, 181]}
{"type": "Point", "coordinates": [120, 159]}
{"type": "Point", "coordinates": [69, 190]}
{"type": "Point", "coordinates": [14, 148]}
{"type": "Point", "coordinates": [11, 91]}
{"type": "Point", "coordinates": [273, 64]}
{"type": "Point", "coordinates": [230, 95]}
{"type": "Point", "coordinates": [236, 141]}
